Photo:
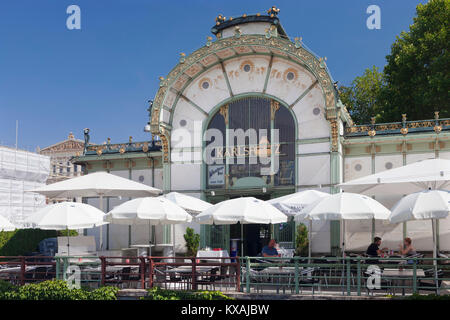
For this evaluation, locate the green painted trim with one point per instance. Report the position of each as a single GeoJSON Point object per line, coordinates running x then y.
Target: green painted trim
{"type": "Point", "coordinates": [224, 71]}
{"type": "Point", "coordinates": [304, 94]}
{"type": "Point", "coordinates": [125, 156]}
{"type": "Point", "coordinates": [313, 140]}
{"type": "Point", "coordinates": [304, 155]}
{"type": "Point", "coordinates": [269, 70]}
{"type": "Point", "coordinates": [192, 103]}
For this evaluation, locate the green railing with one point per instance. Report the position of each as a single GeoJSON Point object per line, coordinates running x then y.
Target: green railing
{"type": "Point", "coordinates": [346, 276]}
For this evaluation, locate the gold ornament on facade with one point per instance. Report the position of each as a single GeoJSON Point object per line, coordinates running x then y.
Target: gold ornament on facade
{"type": "Point", "coordinates": [145, 147]}
{"type": "Point", "coordinates": [122, 150]}
{"type": "Point", "coordinates": [99, 151]}
{"type": "Point", "coordinates": [299, 55]}
{"type": "Point", "coordinates": [224, 112]}
{"type": "Point", "coordinates": [274, 107]}
{"type": "Point", "coordinates": [182, 57]}
{"type": "Point", "coordinates": [334, 135]}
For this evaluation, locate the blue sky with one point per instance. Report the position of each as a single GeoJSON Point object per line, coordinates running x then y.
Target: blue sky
{"type": "Point", "coordinates": [54, 80]}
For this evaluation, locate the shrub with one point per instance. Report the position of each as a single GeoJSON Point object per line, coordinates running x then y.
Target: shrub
{"type": "Point", "coordinates": [192, 242]}
{"type": "Point", "coordinates": [157, 293]}
{"type": "Point", "coordinates": [23, 241]}
{"type": "Point", "coordinates": [417, 296]}
{"type": "Point", "coordinates": [301, 240]}
{"type": "Point", "coordinates": [54, 290]}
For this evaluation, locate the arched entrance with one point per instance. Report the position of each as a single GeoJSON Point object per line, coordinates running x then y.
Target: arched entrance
{"type": "Point", "coordinates": [251, 152]}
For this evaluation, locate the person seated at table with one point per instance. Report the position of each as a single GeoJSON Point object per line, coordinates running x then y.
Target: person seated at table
{"type": "Point", "coordinates": [407, 249]}
{"type": "Point", "coordinates": [374, 251]}
{"type": "Point", "coordinates": [270, 250]}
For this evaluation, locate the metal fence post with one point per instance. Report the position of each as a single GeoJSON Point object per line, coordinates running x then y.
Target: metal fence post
{"type": "Point", "coordinates": [151, 271]}
{"type": "Point", "coordinates": [57, 266]}
{"type": "Point", "coordinates": [65, 266]}
{"type": "Point", "coordinates": [415, 275]}
{"type": "Point", "coordinates": [297, 289]}
{"type": "Point", "coordinates": [359, 275]}
{"type": "Point", "coordinates": [348, 275]}
{"type": "Point", "coordinates": [247, 274]}
{"type": "Point", "coordinates": [238, 273]}
{"type": "Point", "coordinates": [142, 272]}
{"type": "Point", "coordinates": [103, 268]}
{"type": "Point", "coordinates": [194, 274]}
{"type": "Point", "coordinates": [22, 270]}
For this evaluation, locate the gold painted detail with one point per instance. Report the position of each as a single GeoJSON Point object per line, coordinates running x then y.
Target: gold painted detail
{"type": "Point", "coordinates": [274, 106]}
{"type": "Point", "coordinates": [224, 112]}
{"type": "Point", "coordinates": [334, 135]}
{"type": "Point", "coordinates": [299, 55]}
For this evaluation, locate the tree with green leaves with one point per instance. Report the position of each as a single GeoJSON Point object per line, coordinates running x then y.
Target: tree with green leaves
{"type": "Point", "coordinates": [362, 97]}
{"type": "Point", "coordinates": [417, 69]}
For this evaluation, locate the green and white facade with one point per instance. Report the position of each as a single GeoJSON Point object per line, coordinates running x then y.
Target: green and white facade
{"type": "Point", "coordinates": [253, 76]}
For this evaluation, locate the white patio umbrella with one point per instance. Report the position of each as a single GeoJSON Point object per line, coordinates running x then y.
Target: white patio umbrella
{"type": "Point", "coordinates": [151, 210]}
{"type": "Point", "coordinates": [430, 204]}
{"type": "Point", "coordinates": [6, 225]}
{"type": "Point", "coordinates": [245, 210]}
{"type": "Point", "coordinates": [97, 184]}
{"type": "Point", "coordinates": [191, 204]}
{"type": "Point", "coordinates": [414, 177]}
{"type": "Point", "coordinates": [292, 204]}
{"type": "Point", "coordinates": [66, 216]}
{"type": "Point", "coordinates": [344, 206]}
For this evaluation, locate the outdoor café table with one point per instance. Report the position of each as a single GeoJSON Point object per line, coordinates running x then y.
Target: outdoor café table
{"type": "Point", "coordinates": [403, 275]}
{"type": "Point", "coordinates": [12, 273]}
{"type": "Point", "coordinates": [186, 271]}
{"type": "Point", "coordinates": [284, 275]}
{"type": "Point", "coordinates": [286, 253]}
{"type": "Point", "coordinates": [213, 254]}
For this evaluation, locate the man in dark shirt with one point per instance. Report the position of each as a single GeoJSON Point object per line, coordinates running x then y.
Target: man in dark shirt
{"type": "Point", "coordinates": [374, 250]}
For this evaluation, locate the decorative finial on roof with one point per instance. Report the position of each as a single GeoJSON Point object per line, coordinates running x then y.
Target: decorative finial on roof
{"type": "Point", "coordinates": [298, 42]}
{"type": "Point", "coordinates": [71, 136]}
{"type": "Point", "coordinates": [273, 11]}
{"type": "Point", "coordinates": [208, 41]}
{"type": "Point", "coordinates": [404, 129]}
{"type": "Point", "coordinates": [244, 15]}
{"type": "Point", "coordinates": [182, 57]}
{"type": "Point", "coordinates": [219, 19]}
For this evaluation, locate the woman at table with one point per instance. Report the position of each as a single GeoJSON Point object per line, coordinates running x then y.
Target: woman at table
{"type": "Point", "coordinates": [407, 249]}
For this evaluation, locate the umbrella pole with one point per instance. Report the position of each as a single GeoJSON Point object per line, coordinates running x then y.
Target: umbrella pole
{"type": "Point", "coordinates": [433, 225]}
{"type": "Point", "coordinates": [149, 238]}
{"type": "Point", "coordinates": [343, 238]}
{"type": "Point", "coordinates": [309, 241]}
{"type": "Point", "coordinates": [101, 227]}
{"type": "Point", "coordinates": [173, 235]}
{"type": "Point", "coordinates": [242, 240]}
{"type": "Point", "coordinates": [68, 242]}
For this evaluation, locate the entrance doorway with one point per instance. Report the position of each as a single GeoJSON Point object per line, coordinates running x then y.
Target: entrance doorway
{"type": "Point", "coordinates": [256, 236]}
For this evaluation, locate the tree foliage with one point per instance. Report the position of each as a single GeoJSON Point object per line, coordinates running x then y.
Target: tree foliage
{"type": "Point", "coordinates": [417, 69]}
{"type": "Point", "coordinates": [415, 79]}
{"type": "Point", "coordinates": [362, 97]}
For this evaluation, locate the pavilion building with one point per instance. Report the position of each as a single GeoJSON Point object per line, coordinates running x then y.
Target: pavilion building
{"type": "Point", "coordinates": [253, 76]}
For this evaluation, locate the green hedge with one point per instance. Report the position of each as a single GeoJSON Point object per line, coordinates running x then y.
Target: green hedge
{"type": "Point", "coordinates": [157, 293]}
{"type": "Point", "coordinates": [54, 290]}
{"type": "Point", "coordinates": [21, 242]}
{"type": "Point", "coordinates": [417, 296]}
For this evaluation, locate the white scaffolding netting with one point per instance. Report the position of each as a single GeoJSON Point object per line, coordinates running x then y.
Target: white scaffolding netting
{"type": "Point", "coordinates": [21, 171]}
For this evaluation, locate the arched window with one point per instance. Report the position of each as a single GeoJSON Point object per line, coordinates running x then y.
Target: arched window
{"type": "Point", "coordinates": [252, 150]}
